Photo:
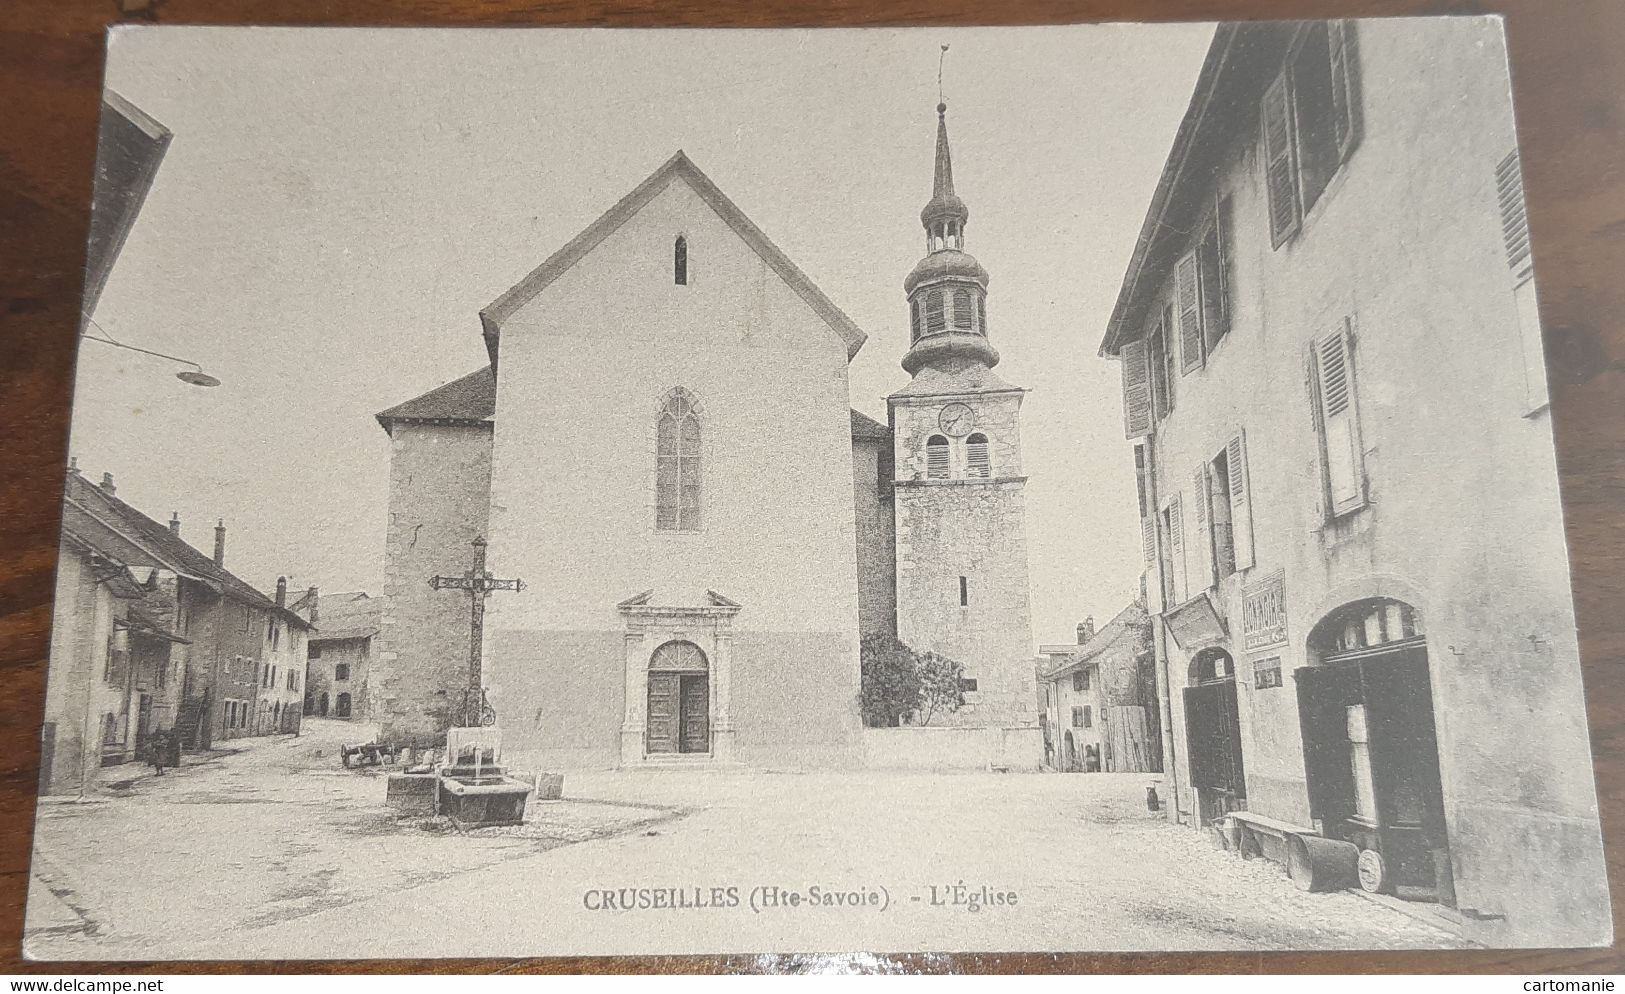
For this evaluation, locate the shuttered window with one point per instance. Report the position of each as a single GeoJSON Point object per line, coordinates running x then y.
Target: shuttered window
{"type": "Point", "coordinates": [977, 461]}
{"type": "Point", "coordinates": [1280, 160]}
{"type": "Point", "coordinates": [1162, 378]}
{"type": "Point", "coordinates": [1200, 551]}
{"type": "Point", "coordinates": [981, 314]}
{"type": "Point", "coordinates": [917, 322]}
{"type": "Point", "coordinates": [1148, 532]}
{"type": "Point", "coordinates": [1188, 299]}
{"type": "Point", "coordinates": [1514, 215]}
{"type": "Point", "coordinates": [1241, 500]}
{"type": "Point", "coordinates": [677, 458]}
{"type": "Point", "coordinates": [964, 310]}
{"type": "Point", "coordinates": [1136, 389]}
{"type": "Point", "coordinates": [936, 458]}
{"type": "Point", "coordinates": [935, 319]}
{"type": "Point", "coordinates": [1337, 420]}
{"type": "Point", "coordinates": [1213, 264]}
{"type": "Point", "coordinates": [1310, 122]}
{"type": "Point", "coordinates": [1173, 545]}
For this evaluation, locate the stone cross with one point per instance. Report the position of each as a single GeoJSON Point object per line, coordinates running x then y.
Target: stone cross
{"type": "Point", "coordinates": [479, 583]}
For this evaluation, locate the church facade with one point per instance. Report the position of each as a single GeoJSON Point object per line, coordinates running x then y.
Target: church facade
{"type": "Point", "coordinates": [662, 449]}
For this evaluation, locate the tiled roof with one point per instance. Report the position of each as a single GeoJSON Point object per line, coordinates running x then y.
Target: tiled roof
{"type": "Point", "coordinates": [169, 545]}
{"type": "Point", "coordinates": [863, 426]}
{"type": "Point", "coordinates": [349, 615]}
{"type": "Point", "coordinates": [473, 398]}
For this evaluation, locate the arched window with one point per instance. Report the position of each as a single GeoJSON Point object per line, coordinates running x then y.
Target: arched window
{"type": "Point", "coordinates": [977, 461]}
{"type": "Point", "coordinates": [964, 308]}
{"type": "Point", "coordinates": [680, 261]}
{"type": "Point", "coordinates": [1212, 665]}
{"type": "Point", "coordinates": [677, 473]}
{"type": "Point", "coordinates": [936, 458]}
{"type": "Point", "coordinates": [917, 325]}
{"type": "Point", "coordinates": [935, 319]}
{"type": "Point", "coordinates": [684, 656]}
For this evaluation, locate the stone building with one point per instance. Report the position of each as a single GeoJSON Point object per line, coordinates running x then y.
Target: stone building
{"type": "Point", "coordinates": [1100, 698]}
{"type": "Point", "coordinates": [958, 487]}
{"type": "Point", "coordinates": [1352, 532]}
{"type": "Point", "coordinates": [148, 634]}
{"type": "Point", "coordinates": [684, 600]}
{"type": "Point", "coordinates": [340, 653]}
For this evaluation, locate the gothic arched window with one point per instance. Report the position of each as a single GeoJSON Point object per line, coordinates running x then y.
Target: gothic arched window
{"type": "Point", "coordinates": [964, 308]}
{"type": "Point", "coordinates": [677, 470]}
{"type": "Point", "coordinates": [977, 461]}
{"type": "Point", "coordinates": [680, 261]}
{"type": "Point", "coordinates": [936, 458]}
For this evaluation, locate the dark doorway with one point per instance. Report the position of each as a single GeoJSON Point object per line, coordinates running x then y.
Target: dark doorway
{"type": "Point", "coordinates": [321, 705]}
{"type": "Point", "coordinates": [679, 703]}
{"type": "Point", "coordinates": [341, 708]}
{"type": "Point", "coordinates": [1371, 753]}
{"type": "Point", "coordinates": [1213, 736]}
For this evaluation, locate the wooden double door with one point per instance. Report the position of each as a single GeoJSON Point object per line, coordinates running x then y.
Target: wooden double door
{"type": "Point", "coordinates": [679, 715]}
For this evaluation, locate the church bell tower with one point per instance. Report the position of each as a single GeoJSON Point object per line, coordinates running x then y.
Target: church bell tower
{"type": "Point", "coordinates": [959, 489]}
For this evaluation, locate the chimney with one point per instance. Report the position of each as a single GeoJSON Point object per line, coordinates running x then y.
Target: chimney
{"type": "Point", "coordinates": [220, 543]}
{"type": "Point", "coordinates": [107, 484]}
{"type": "Point", "coordinates": [174, 524]}
{"type": "Point", "coordinates": [73, 465]}
{"type": "Point", "coordinates": [281, 591]}
{"type": "Point", "coordinates": [1086, 629]}
{"type": "Point", "coordinates": [315, 601]}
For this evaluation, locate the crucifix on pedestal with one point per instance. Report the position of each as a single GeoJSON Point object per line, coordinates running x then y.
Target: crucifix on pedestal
{"type": "Point", "coordinates": [479, 583]}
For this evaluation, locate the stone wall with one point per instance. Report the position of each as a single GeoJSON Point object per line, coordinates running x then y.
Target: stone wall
{"type": "Point", "coordinates": [439, 487]}
{"type": "Point", "coordinates": [877, 536]}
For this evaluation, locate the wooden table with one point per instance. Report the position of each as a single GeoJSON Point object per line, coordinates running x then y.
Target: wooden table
{"type": "Point", "coordinates": [1569, 78]}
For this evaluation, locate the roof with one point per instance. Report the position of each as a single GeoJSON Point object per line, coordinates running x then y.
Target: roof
{"type": "Point", "coordinates": [1125, 631]}
{"type": "Point", "coordinates": [174, 554]}
{"type": "Point", "coordinates": [678, 167]}
{"type": "Point", "coordinates": [472, 399]}
{"type": "Point", "coordinates": [1240, 63]}
{"type": "Point", "coordinates": [143, 619]}
{"type": "Point", "coordinates": [349, 615]}
{"type": "Point", "coordinates": [863, 426]}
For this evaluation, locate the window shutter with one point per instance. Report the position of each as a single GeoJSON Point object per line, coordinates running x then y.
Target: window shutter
{"type": "Point", "coordinates": [1136, 390]}
{"type": "Point", "coordinates": [1345, 55]}
{"type": "Point", "coordinates": [1201, 549]}
{"type": "Point", "coordinates": [1339, 426]}
{"type": "Point", "coordinates": [1514, 214]}
{"type": "Point", "coordinates": [1190, 313]}
{"type": "Point", "coordinates": [981, 314]}
{"type": "Point", "coordinates": [1153, 572]}
{"type": "Point", "coordinates": [1220, 321]}
{"type": "Point", "coordinates": [977, 463]}
{"type": "Point", "coordinates": [935, 319]}
{"type": "Point", "coordinates": [936, 461]}
{"type": "Point", "coordinates": [963, 309]}
{"type": "Point", "coordinates": [1241, 504]}
{"type": "Point", "coordinates": [1176, 543]}
{"type": "Point", "coordinates": [1280, 160]}
{"type": "Point", "coordinates": [917, 315]}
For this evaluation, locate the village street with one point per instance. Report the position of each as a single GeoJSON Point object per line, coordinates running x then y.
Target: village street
{"type": "Point", "coordinates": [275, 851]}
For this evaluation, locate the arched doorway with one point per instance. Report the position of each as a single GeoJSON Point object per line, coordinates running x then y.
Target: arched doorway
{"type": "Point", "coordinates": [341, 707]}
{"type": "Point", "coordinates": [1213, 735]}
{"type": "Point", "coordinates": [679, 713]}
{"type": "Point", "coordinates": [1371, 754]}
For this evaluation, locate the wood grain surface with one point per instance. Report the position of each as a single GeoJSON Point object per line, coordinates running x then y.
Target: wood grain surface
{"type": "Point", "coordinates": [1569, 79]}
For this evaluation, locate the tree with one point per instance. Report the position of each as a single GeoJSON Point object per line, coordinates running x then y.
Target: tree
{"type": "Point", "coordinates": [940, 687]}
{"type": "Point", "coordinates": [891, 680]}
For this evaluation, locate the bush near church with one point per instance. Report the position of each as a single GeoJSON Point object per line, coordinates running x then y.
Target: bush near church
{"type": "Point", "coordinates": [898, 682]}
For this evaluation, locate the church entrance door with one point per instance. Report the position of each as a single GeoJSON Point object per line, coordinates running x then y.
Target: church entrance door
{"type": "Point", "coordinates": [679, 712]}
{"type": "Point", "coordinates": [695, 734]}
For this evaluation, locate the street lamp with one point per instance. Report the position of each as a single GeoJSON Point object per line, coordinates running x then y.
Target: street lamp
{"type": "Point", "coordinates": [195, 376]}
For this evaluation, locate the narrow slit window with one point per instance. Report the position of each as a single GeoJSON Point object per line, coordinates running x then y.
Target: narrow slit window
{"type": "Point", "coordinates": [680, 261]}
{"type": "Point", "coordinates": [964, 592]}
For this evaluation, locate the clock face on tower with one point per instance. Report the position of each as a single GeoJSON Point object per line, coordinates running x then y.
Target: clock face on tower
{"type": "Point", "coordinates": [957, 419]}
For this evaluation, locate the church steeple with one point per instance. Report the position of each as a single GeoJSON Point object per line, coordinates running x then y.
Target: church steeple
{"type": "Point", "coordinates": [947, 291]}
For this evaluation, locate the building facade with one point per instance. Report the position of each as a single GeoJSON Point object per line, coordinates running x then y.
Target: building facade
{"type": "Point", "coordinates": [958, 485]}
{"type": "Point", "coordinates": [340, 652]}
{"type": "Point", "coordinates": [1349, 505]}
{"type": "Point", "coordinates": [1100, 698]}
{"type": "Point", "coordinates": [149, 635]}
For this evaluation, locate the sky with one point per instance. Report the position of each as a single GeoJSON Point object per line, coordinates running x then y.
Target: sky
{"type": "Point", "coordinates": [337, 205]}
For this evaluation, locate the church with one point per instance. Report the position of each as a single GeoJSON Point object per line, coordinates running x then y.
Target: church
{"type": "Point", "coordinates": [663, 451]}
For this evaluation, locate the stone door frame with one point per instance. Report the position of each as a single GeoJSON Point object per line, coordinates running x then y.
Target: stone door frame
{"type": "Point", "coordinates": [648, 627]}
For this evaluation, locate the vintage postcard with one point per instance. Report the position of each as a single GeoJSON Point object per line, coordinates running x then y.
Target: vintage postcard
{"type": "Point", "coordinates": [607, 492]}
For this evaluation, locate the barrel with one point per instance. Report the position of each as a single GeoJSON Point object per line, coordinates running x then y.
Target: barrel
{"type": "Point", "coordinates": [1319, 864]}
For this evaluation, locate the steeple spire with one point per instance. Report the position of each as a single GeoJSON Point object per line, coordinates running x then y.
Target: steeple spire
{"type": "Point", "coordinates": [945, 214]}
